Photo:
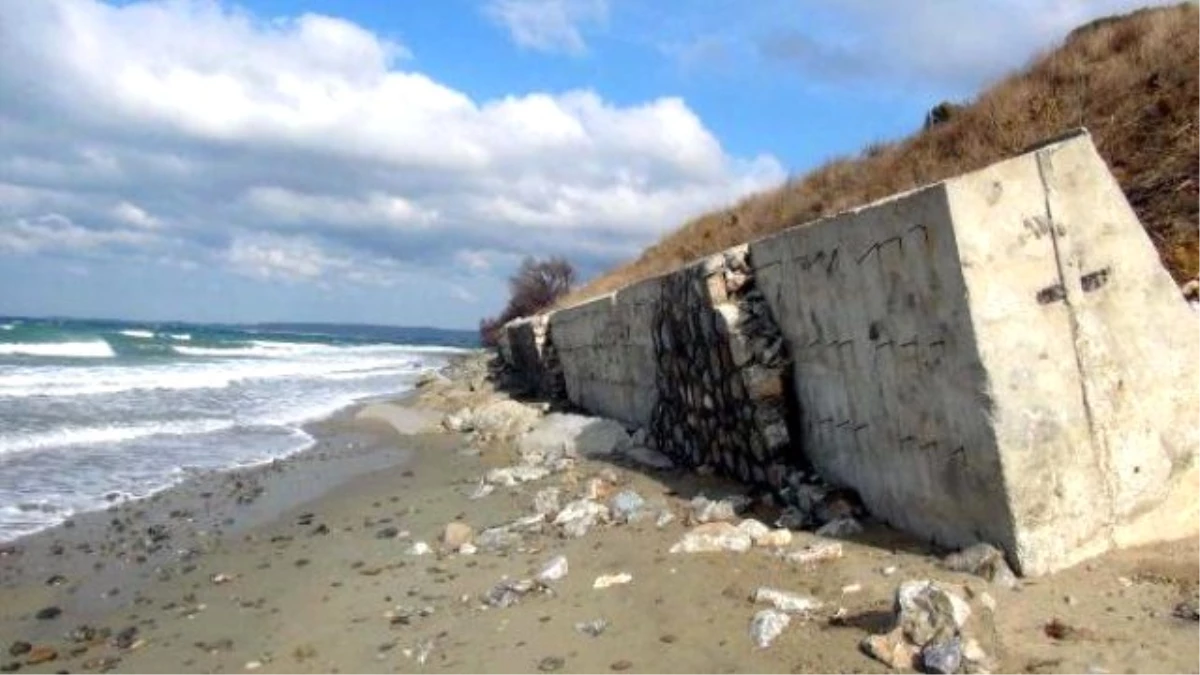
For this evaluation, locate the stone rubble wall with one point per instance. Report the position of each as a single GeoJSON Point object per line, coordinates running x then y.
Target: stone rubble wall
{"type": "Point", "coordinates": [999, 357]}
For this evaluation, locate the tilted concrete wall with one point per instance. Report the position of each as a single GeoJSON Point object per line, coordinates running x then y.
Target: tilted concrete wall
{"type": "Point", "coordinates": [999, 357]}
{"type": "Point", "coordinates": [607, 353]}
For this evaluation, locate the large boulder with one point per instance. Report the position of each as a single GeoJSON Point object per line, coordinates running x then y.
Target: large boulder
{"type": "Point", "coordinates": [504, 418]}
{"type": "Point", "coordinates": [560, 435]}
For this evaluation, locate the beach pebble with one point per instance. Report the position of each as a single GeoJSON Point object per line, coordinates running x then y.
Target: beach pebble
{"type": "Point", "coordinates": [252, 665]}
{"type": "Point", "coordinates": [713, 537]}
{"type": "Point", "coordinates": [626, 505]}
{"type": "Point", "coordinates": [551, 664]}
{"type": "Point", "coordinates": [607, 580]}
{"type": "Point", "coordinates": [621, 665]}
{"type": "Point", "coordinates": [48, 613]}
{"type": "Point", "coordinates": [419, 548]}
{"type": "Point", "coordinates": [19, 647]}
{"type": "Point", "coordinates": [767, 625]}
{"type": "Point", "coordinates": [594, 628]}
{"type": "Point", "coordinates": [554, 570]}
{"type": "Point", "coordinates": [467, 549]}
{"type": "Point", "coordinates": [815, 553]}
{"type": "Point", "coordinates": [456, 534]}
{"type": "Point", "coordinates": [387, 533]}
{"type": "Point", "coordinates": [40, 654]}
{"type": "Point", "coordinates": [786, 601]}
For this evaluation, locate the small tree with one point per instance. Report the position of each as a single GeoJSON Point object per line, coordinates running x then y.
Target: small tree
{"type": "Point", "coordinates": [536, 285]}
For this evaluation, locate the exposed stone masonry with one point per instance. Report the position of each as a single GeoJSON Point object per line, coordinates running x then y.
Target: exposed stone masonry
{"type": "Point", "coordinates": [721, 373]}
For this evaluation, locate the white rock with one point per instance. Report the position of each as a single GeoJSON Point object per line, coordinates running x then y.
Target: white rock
{"type": "Point", "coordinates": [418, 548]}
{"type": "Point", "coordinates": [713, 537]}
{"type": "Point", "coordinates": [754, 528]}
{"type": "Point", "coordinates": [510, 476]}
{"type": "Point", "coordinates": [767, 625]}
{"type": "Point", "coordinates": [467, 549]}
{"type": "Point", "coordinates": [579, 516]}
{"type": "Point", "coordinates": [813, 553]}
{"type": "Point", "coordinates": [774, 539]}
{"type": "Point", "coordinates": [459, 421]}
{"type": "Point", "coordinates": [505, 417]}
{"type": "Point", "coordinates": [559, 435]}
{"type": "Point", "coordinates": [546, 501]}
{"type": "Point", "coordinates": [851, 588]}
{"type": "Point", "coordinates": [705, 510]}
{"type": "Point", "coordinates": [607, 580]}
{"type": "Point", "coordinates": [554, 570]}
{"type": "Point", "coordinates": [922, 606]}
{"type": "Point", "coordinates": [786, 601]}
{"type": "Point", "coordinates": [665, 518]}
{"type": "Point", "coordinates": [626, 506]}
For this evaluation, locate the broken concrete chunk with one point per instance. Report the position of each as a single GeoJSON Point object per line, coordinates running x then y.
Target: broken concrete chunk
{"type": "Point", "coordinates": [774, 539]}
{"type": "Point", "coordinates": [786, 601]}
{"type": "Point", "coordinates": [607, 580]}
{"type": "Point", "coordinates": [712, 538]}
{"type": "Point", "coordinates": [767, 625]}
{"type": "Point", "coordinates": [515, 475]}
{"type": "Point", "coordinates": [546, 501]}
{"type": "Point", "coordinates": [504, 418]}
{"type": "Point", "coordinates": [820, 551]}
{"type": "Point", "coordinates": [559, 435]}
{"type": "Point", "coordinates": [554, 570]}
{"type": "Point", "coordinates": [626, 506]}
{"type": "Point", "coordinates": [705, 510]}
{"type": "Point", "coordinates": [754, 528]}
{"type": "Point", "coordinates": [580, 516]}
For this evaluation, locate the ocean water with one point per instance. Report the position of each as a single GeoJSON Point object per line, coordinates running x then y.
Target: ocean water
{"type": "Point", "coordinates": [92, 409]}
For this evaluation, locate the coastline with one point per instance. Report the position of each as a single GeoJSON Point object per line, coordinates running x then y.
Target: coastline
{"type": "Point", "coordinates": [308, 565]}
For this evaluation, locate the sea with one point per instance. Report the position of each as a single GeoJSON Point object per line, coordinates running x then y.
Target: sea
{"type": "Point", "coordinates": [92, 411]}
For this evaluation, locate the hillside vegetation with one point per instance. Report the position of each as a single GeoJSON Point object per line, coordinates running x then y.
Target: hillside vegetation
{"type": "Point", "coordinates": [1131, 80]}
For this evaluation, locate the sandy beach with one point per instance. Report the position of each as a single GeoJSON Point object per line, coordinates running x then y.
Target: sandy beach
{"type": "Point", "coordinates": [334, 560]}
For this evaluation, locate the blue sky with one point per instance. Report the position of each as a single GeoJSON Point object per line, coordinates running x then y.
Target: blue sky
{"type": "Point", "coordinates": [392, 161]}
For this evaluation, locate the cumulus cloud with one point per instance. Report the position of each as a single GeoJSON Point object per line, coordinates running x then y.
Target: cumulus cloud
{"type": "Point", "coordinates": [306, 148]}
{"type": "Point", "coordinates": [548, 25]}
{"type": "Point", "coordinates": [934, 44]}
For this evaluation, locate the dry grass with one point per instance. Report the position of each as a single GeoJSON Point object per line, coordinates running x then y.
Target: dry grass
{"type": "Point", "coordinates": [1131, 80]}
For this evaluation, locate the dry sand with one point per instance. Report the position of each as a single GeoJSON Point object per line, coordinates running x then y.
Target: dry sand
{"type": "Point", "coordinates": [304, 575]}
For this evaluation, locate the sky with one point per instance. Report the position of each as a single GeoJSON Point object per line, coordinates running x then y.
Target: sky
{"type": "Point", "coordinates": [392, 161]}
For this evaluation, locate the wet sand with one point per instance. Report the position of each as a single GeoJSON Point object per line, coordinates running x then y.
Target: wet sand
{"type": "Point", "coordinates": [308, 566]}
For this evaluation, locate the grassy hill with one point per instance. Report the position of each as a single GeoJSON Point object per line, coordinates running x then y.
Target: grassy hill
{"type": "Point", "coordinates": [1132, 80]}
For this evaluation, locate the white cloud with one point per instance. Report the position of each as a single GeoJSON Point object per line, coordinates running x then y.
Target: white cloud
{"type": "Point", "coordinates": [291, 259]}
{"type": "Point", "coordinates": [548, 25]}
{"type": "Point", "coordinates": [55, 231]}
{"type": "Point", "coordinates": [135, 215]}
{"type": "Point", "coordinates": [232, 137]}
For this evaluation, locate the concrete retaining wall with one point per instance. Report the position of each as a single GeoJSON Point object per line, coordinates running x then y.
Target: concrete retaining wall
{"type": "Point", "coordinates": [998, 357]}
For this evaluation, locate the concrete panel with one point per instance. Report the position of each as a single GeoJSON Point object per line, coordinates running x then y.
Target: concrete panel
{"type": "Point", "coordinates": [889, 385]}
{"type": "Point", "coordinates": [1090, 352]}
